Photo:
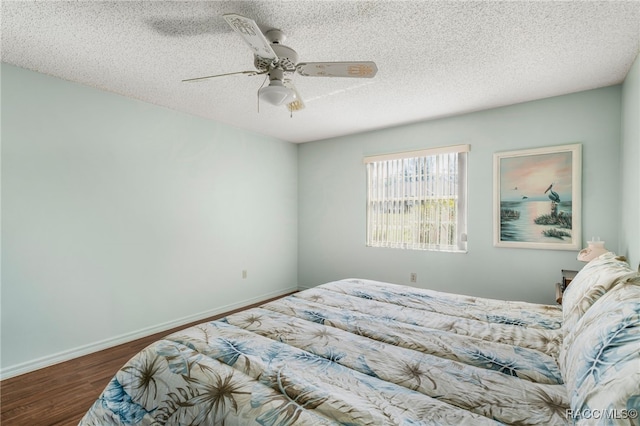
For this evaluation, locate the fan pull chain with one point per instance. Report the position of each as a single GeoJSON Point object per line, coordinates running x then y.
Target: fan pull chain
{"type": "Point", "coordinates": [258, 92]}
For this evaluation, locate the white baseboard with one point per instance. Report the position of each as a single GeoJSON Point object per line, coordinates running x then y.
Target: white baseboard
{"type": "Point", "coordinates": [49, 360]}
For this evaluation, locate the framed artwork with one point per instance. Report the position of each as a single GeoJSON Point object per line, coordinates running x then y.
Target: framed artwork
{"type": "Point", "coordinates": [537, 198]}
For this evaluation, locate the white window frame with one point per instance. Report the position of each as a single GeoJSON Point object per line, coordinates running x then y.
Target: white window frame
{"type": "Point", "coordinates": [401, 214]}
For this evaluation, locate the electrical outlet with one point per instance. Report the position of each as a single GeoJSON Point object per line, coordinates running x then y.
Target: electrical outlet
{"type": "Point", "coordinates": [414, 277]}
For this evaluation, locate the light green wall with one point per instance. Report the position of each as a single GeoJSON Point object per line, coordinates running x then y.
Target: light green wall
{"type": "Point", "coordinates": [119, 216]}
{"type": "Point", "coordinates": [332, 195]}
{"type": "Point", "coordinates": [630, 167]}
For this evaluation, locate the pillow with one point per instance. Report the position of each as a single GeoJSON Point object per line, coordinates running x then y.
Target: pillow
{"type": "Point", "coordinates": [602, 372]}
{"type": "Point", "coordinates": [595, 279]}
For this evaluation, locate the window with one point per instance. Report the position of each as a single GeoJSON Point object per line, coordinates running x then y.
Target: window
{"type": "Point", "coordinates": [417, 200]}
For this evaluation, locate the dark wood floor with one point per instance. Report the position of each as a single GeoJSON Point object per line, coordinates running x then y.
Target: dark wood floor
{"type": "Point", "coordinates": [62, 393]}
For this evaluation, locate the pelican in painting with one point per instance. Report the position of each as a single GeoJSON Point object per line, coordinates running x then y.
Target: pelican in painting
{"type": "Point", "coordinates": [553, 196]}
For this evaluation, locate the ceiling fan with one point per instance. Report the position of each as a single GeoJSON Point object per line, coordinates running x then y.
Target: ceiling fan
{"type": "Point", "coordinates": [280, 63]}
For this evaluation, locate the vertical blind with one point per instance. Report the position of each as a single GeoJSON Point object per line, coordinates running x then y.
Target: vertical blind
{"type": "Point", "coordinates": [417, 200]}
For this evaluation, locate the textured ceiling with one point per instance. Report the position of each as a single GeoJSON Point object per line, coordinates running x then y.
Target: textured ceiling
{"type": "Point", "coordinates": [435, 58]}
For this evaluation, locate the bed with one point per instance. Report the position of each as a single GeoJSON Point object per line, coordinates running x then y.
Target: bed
{"type": "Point", "coordinates": [361, 352]}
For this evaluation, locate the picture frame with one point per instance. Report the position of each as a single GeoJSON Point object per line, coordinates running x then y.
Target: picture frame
{"type": "Point", "coordinates": [538, 198]}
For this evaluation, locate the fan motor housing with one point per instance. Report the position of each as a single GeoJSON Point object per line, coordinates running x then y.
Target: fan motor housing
{"type": "Point", "coordinates": [287, 59]}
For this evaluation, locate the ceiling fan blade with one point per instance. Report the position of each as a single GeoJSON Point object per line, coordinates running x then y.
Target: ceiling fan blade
{"type": "Point", "coordinates": [297, 104]}
{"type": "Point", "coordinates": [191, 80]}
{"type": "Point", "coordinates": [252, 35]}
{"type": "Point", "coordinates": [338, 69]}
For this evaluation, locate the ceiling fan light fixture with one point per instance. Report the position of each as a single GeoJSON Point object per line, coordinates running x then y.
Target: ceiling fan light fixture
{"type": "Point", "coordinates": [276, 93]}
{"type": "Point", "coordinates": [280, 62]}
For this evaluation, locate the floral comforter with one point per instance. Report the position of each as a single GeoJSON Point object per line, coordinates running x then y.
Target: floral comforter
{"type": "Point", "coordinates": [350, 352]}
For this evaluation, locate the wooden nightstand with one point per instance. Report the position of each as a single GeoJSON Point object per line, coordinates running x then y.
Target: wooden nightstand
{"type": "Point", "coordinates": [567, 277]}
